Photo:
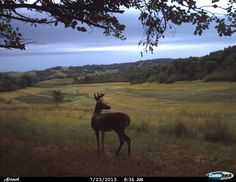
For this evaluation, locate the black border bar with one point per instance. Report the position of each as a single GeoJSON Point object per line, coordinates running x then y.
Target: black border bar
{"type": "Point", "coordinates": [108, 179]}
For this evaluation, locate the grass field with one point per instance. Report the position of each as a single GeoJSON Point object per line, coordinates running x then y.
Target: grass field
{"type": "Point", "coordinates": [180, 129]}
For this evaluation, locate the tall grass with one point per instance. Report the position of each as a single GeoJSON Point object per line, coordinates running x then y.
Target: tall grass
{"type": "Point", "coordinates": [142, 126]}
{"type": "Point", "coordinates": [170, 136]}
{"type": "Point", "coordinates": [209, 127]}
{"type": "Point", "coordinates": [217, 130]}
{"type": "Point", "coordinates": [176, 128]}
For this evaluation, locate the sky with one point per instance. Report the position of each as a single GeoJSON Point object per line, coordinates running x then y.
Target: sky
{"type": "Point", "coordinates": [59, 46]}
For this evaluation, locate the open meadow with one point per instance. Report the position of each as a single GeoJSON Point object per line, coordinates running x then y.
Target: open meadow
{"type": "Point", "coordinates": [180, 129]}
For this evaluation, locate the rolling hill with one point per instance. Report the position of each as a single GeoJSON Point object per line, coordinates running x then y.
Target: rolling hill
{"type": "Point", "coordinates": [216, 66]}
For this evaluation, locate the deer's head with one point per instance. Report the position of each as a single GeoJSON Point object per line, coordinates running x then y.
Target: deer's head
{"type": "Point", "coordinates": [100, 105]}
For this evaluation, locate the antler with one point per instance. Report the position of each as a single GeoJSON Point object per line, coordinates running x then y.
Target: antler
{"type": "Point", "coordinates": [98, 96]}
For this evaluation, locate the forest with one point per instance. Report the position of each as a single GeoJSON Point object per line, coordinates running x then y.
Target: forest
{"type": "Point", "coordinates": [216, 66]}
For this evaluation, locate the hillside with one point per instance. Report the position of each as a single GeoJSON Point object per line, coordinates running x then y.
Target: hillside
{"type": "Point", "coordinates": [217, 66]}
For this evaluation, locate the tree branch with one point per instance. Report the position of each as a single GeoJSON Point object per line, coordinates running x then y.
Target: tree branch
{"type": "Point", "coordinates": [29, 20]}
{"type": "Point", "coordinates": [45, 8]}
{"type": "Point", "coordinates": [22, 46]}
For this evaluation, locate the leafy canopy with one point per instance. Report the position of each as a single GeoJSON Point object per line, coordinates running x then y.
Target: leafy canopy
{"type": "Point", "coordinates": [156, 17]}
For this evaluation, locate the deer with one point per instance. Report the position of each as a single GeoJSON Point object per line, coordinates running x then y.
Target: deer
{"type": "Point", "coordinates": [105, 122]}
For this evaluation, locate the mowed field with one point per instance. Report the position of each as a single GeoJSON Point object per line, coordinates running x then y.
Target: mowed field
{"type": "Point", "coordinates": [180, 129]}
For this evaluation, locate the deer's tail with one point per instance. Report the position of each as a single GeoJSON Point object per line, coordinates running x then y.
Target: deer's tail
{"type": "Point", "coordinates": [128, 121]}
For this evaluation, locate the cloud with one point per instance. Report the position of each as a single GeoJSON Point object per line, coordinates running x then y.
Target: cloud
{"type": "Point", "coordinates": [62, 46]}
{"type": "Point", "coordinates": [58, 39]}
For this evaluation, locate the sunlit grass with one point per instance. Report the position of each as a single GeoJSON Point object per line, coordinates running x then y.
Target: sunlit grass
{"type": "Point", "coordinates": [173, 134]}
{"type": "Point", "coordinates": [21, 92]}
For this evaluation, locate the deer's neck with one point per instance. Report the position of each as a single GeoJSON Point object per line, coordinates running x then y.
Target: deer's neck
{"type": "Point", "coordinates": [97, 110]}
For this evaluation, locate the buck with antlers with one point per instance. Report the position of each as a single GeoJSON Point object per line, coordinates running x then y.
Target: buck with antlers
{"type": "Point", "coordinates": [115, 121]}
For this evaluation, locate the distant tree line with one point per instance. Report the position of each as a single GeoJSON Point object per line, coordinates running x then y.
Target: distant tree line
{"type": "Point", "coordinates": [9, 83]}
{"type": "Point", "coordinates": [217, 66]}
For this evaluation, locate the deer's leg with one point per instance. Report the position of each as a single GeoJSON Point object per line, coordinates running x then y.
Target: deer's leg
{"type": "Point", "coordinates": [97, 137]}
{"type": "Point", "coordinates": [128, 140]}
{"type": "Point", "coordinates": [121, 142]}
{"type": "Point", "coordinates": [103, 133]}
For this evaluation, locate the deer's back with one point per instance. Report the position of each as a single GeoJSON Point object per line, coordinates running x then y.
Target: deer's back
{"type": "Point", "coordinates": [110, 121]}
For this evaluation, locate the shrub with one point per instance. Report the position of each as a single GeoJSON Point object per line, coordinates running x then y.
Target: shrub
{"type": "Point", "coordinates": [57, 96]}
{"type": "Point", "coordinates": [176, 128]}
{"type": "Point", "coordinates": [179, 128]}
{"type": "Point", "coordinates": [216, 130]}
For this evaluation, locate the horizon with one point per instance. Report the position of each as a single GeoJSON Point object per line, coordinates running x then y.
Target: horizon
{"type": "Point", "coordinates": [101, 64]}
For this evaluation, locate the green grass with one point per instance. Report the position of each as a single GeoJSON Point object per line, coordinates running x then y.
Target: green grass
{"type": "Point", "coordinates": [34, 99]}
{"type": "Point", "coordinates": [181, 129]}
{"type": "Point", "coordinates": [54, 83]}
{"type": "Point", "coordinates": [229, 95]}
{"type": "Point", "coordinates": [218, 130]}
